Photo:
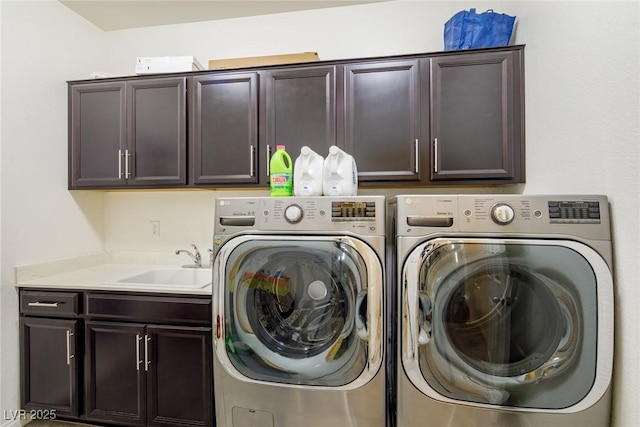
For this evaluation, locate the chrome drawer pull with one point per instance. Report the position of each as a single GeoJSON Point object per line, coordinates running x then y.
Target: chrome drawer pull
{"type": "Point", "coordinates": [44, 304]}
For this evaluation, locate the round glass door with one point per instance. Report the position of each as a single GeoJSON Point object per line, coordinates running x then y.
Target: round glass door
{"type": "Point", "coordinates": [503, 322]}
{"type": "Point", "coordinates": [296, 312]}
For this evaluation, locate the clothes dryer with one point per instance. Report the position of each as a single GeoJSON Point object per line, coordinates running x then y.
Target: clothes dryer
{"type": "Point", "coordinates": [298, 304]}
{"type": "Point", "coordinates": [505, 310]}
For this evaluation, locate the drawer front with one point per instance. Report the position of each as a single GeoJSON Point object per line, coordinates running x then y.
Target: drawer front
{"type": "Point", "coordinates": [50, 303]}
{"type": "Point", "coordinates": [153, 309]}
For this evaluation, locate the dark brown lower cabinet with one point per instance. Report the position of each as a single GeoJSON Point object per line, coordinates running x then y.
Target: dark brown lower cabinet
{"type": "Point", "coordinates": [148, 360]}
{"type": "Point", "coordinates": [49, 368]}
{"type": "Point", "coordinates": [148, 375]}
{"type": "Point", "coordinates": [117, 358]}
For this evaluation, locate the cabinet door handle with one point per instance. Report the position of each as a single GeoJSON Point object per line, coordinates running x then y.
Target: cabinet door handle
{"type": "Point", "coordinates": [138, 361]}
{"type": "Point", "coordinates": [127, 159]}
{"type": "Point", "coordinates": [252, 158]}
{"type": "Point", "coordinates": [268, 160]}
{"type": "Point", "coordinates": [147, 362]}
{"type": "Point", "coordinates": [43, 304]}
{"type": "Point", "coordinates": [435, 155]}
{"type": "Point", "coordinates": [119, 164]}
{"type": "Point", "coordinates": [69, 355]}
{"type": "Point", "coordinates": [417, 154]}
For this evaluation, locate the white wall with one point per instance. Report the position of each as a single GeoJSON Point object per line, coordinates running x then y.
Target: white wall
{"type": "Point", "coordinates": [43, 45]}
{"type": "Point", "coordinates": [582, 103]}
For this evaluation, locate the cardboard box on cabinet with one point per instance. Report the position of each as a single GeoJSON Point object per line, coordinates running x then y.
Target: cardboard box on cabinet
{"type": "Point", "coordinates": [259, 61]}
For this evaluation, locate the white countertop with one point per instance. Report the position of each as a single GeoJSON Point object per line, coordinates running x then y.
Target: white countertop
{"type": "Point", "coordinates": [103, 276]}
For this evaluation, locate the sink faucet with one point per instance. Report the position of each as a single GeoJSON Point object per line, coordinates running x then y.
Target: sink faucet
{"type": "Point", "coordinates": [195, 257]}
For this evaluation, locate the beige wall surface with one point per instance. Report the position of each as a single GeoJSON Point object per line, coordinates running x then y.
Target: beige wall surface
{"type": "Point", "coordinates": [582, 71]}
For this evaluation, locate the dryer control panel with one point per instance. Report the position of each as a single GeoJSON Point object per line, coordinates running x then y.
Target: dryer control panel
{"type": "Point", "coordinates": [586, 216]}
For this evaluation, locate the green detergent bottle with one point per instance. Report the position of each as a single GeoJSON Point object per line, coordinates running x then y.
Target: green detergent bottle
{"type": "Point", "coordinates": [281, 173]}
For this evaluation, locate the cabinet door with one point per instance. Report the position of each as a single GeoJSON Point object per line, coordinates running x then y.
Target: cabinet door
{"type": "Point", "coordinates": [382, 111]}
{"type": "Point", "coordinates": [96, 135]}
{"type": "Point", "coordinates": [156, 132]}
{"type": "Point", "coordinates": [300, 109]}
{"type": "Point", "coordinates": [49, 365]}
{"type": "Point", "coordinates": [224, 129]}
{"type": "Point", "coordinates": [115, 385]}
{"type": "Point", "coordinates": [179, 376]}
{"type": "Point", "coordinates": [476, 117]}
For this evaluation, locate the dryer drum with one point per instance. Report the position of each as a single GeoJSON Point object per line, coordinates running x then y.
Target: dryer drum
{"type": "Point", "coordinates": [503, 320]}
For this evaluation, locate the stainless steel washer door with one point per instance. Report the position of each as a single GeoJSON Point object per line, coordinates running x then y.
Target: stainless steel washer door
{"type": "Point", "coordinates": [299, 311]}
{"type": "Point", "coordinates": [514, 323]}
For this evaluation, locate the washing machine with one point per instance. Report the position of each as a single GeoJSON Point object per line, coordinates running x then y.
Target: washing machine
{"type": "Point", "coordinates": [504, 308]}
{"type": "Point", "coordinates": [298, 295]}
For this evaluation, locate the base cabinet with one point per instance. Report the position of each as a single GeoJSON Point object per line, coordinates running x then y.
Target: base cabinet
{"type": "Point", "coordinates": [117, 358]}
{"type": "Point", "coordinates": [49, 368]}
{"type": "Point", "coordinates": [148, 375]}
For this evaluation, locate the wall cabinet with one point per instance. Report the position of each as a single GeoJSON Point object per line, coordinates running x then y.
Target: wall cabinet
{"type": "Point", "coordinates": [128, 133]}
{"type": "Point", "coordinates": [299, 108]}
{"type": "Point", "coordinates": [382, 119]}
{"type": "Point", "coordinates": [477, 115]}
{"type": "Point", "coordinates": [411, 120]}
{"type": "Point", "coordinates": [224, 129]}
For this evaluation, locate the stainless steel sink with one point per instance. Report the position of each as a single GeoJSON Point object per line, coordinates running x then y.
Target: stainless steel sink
{"type": "Point", "coordinates": [193, 278]}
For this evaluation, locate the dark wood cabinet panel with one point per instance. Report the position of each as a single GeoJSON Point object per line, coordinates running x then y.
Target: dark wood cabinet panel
{"type": "Point", "coordinates": [115, 386]}
{"type": "Point", "coordinates": [224, 129]}
{"type": "Point", "coordinates": [179, 376]}
{"type": "Point", "coordinates": [382, 119]}
{"type": "Point", "coordinates": [476, 117]}
{"type": "Point", "coordinates": [97, 134]}
{"type": "Point", "coordinates": [49, 365]}
{"type": "Point", "coordinates": [299, 107]}
{"type": "Point", "coordinates": [129, 133]}
{"type": "Point", "coordinates": [156, 131]}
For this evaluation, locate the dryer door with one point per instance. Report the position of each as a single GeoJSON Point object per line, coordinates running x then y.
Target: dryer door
{"type": "Point", "coordinates": [507, 322]}
{"type": "Point", "coordinates": [299, 310]}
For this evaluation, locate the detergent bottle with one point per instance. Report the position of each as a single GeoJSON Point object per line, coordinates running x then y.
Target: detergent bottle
{"type": "Point", "coordinates": [340, 174]}
{"type": "Point", "coordinates": [307, 173]}
{"type": "Point", "coordinates": [280, 173]}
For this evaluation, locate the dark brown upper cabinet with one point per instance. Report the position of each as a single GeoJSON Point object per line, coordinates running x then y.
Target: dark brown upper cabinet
{"type": "Point", "coordinates": [411, 120]}
{"type": "Point", "coordinates": [299, 108]}
{"type": "Point", "coordinates": [224, 129]}
{"type": "Point", "coordinates": [382, 120]}
{"type": "Point", "coordinates": [477, 116]}
{"type": "Point", "coordinates": [128, 133]}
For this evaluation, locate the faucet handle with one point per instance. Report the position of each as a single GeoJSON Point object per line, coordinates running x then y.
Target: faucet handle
{"type": "Point", "coordinates": [197, 254]}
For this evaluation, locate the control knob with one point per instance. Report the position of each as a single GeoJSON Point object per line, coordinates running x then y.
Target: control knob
{"type": "Point", "coordinates": [293, 214]}
{"type": "Point", "coordinates": [502, 214]}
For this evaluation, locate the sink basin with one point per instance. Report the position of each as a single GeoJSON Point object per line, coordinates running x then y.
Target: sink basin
{"type": "Point", "coordinates": [194, 278]}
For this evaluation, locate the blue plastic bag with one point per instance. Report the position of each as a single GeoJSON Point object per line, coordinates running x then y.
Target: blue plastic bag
{"type": "Point", "coordinates": [471, 30]}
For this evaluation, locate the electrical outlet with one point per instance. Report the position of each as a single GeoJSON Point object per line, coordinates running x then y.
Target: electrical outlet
{"type": "Point", "coordinates": [155, 228]}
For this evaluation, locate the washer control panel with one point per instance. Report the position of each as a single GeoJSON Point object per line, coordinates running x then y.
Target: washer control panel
{"type": "Point", "coordinates": [359, 214]}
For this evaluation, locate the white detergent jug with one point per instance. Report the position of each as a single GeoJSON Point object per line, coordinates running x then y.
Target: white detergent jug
{"type": "Point", "coordinates": [340, 175]}
{"type": "Point", "coordinates": [307, 173]}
